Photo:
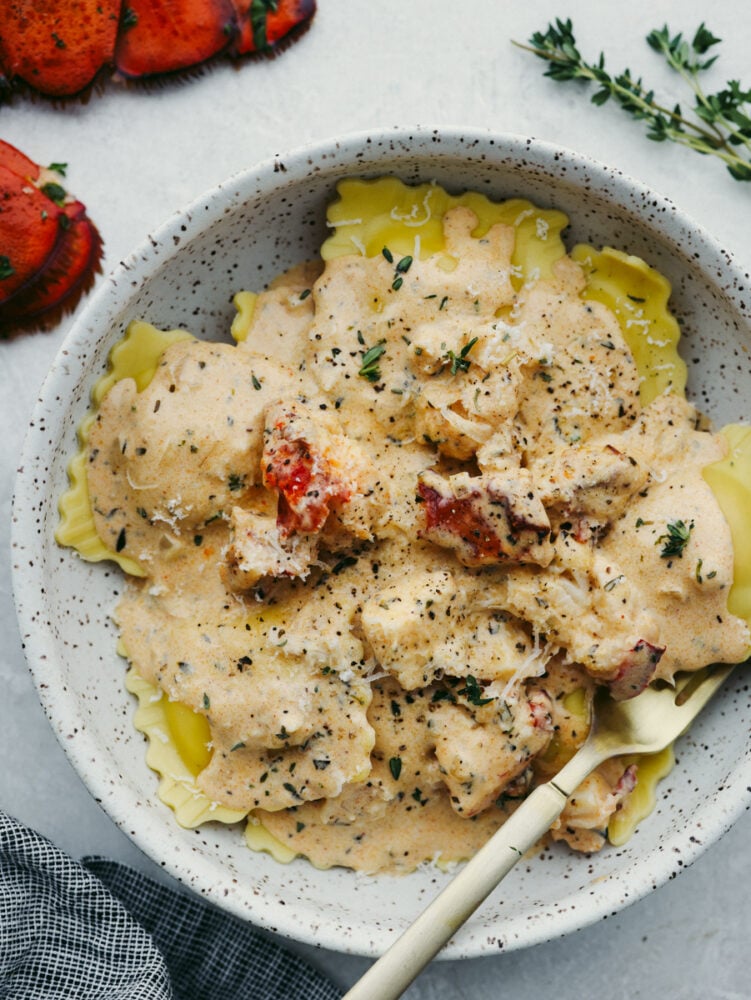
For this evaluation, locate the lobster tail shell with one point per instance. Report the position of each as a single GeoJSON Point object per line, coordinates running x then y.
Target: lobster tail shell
{"type": "Point", "coordinates": [57, 46]}
{"type": "Point", "coordinates": [50, 248]}
{"type": "Point", "coordinates": [29, 230]}
{"type": "Point", "coordinates": [162, 36]}
{"type": "Point", "coordinates": [69, 270]}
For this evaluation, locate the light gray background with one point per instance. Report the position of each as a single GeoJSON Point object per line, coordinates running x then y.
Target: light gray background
{"type": "Point", "coordinates": [135, 157]}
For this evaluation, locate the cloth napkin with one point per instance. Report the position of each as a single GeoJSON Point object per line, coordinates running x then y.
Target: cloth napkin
{"type": "Point", "coordinates": [101, 930]}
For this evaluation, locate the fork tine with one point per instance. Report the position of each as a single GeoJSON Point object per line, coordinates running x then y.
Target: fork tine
{"type": "Point", "coordinates": [701, 685]}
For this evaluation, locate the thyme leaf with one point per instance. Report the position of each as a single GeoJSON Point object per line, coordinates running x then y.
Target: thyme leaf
{"type": "Point", "coordinates": [460, 362]}
{"type": "Point", "coordinates": [473, 692]}
{"type": "Point", "coordinates": [370, 369]}
{"type": "Point", "coordinates": [55, 192]}
{"type": "Point", "coordinates": [675, 539]}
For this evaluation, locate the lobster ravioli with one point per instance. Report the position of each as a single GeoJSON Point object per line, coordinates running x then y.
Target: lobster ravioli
{"type": "Point", "coordinates": [383, 548]}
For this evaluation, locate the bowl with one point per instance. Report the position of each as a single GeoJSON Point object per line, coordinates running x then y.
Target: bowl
{"type": "Point", "coordinates": [242, 234]}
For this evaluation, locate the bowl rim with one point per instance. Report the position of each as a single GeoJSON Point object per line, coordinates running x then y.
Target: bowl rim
{"type": "Point", "coordinates": [61, 707]}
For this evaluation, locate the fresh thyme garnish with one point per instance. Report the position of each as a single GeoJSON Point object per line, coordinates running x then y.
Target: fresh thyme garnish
{"type": "Point", "coordinates": [59, 168]}
{"type": "Point", "coordinates": [395, 766]}
{"type": "Point", "coordinates": [400, 269]}
{"type": "Point", "coordinates": [718, 124]}
{"type": "Point", "coordinates": [259, 12]}
{"type": "Point", "coordinates": [235, 482]}
{"type": "Point", "coordinates": [6, 268]}
{"type": "Point", "coordinates": [370, 368]}
{"type": "Point", "coordinates": [256, 381]}
{"type": "Point", "coordinates": [473, 692]}
{"type": "Point", "coordinates": [55, 192]}
{"type": "Point", "coordinates": [675, 539]}
{"type": "Point", "coordinates": [460, 362]}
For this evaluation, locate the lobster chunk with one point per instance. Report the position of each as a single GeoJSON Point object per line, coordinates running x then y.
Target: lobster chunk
{"type": "Point", "coordinates": [583, 823]}
{"type": "Point", "coordinates": [317, 471]}
{"type": "Point", "coordinates": [57, 46]}
{"type": "Point", "coordinates": [263, 23]}
{"type": "Point", "coordinates": [488, 519]}
{"type": "Point", "coordinates": [480, 760]}
{"type": "Point", "coordinates": [257, 549]}
{"type": "Point", "coordinates": [636, 670]}
{"type": "Point", "coordinates": [161, 36]}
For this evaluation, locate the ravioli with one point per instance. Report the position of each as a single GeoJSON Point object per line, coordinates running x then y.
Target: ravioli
{"type": "Point", "coordinates": [382, 549]}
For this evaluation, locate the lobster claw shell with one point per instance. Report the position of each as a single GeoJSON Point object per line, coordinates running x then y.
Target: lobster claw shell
{"type": "Point", "coordinates": [50, 248]}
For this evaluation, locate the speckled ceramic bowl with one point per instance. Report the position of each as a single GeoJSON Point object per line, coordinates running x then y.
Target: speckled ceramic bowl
{"type": "Point", "coordinates": [241, 235]}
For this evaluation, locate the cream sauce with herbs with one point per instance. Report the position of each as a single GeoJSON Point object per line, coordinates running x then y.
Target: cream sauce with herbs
{"type": "Point", "coordinates": [394, 538]}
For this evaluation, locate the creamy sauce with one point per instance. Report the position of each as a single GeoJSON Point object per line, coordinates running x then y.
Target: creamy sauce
{"type": "Point", "coordinates": [394, 537]}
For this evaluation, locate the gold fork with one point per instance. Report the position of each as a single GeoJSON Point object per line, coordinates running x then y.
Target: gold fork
{"type": "Point", "coordinates": [644, 724]}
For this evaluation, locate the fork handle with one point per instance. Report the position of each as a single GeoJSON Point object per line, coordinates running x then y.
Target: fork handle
{"type": "Point", "coordinates": [394, 971]}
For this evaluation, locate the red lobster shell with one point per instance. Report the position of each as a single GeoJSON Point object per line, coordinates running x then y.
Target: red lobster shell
{"type": "Point", "coordinates": [59, 47]}
{"type": "Point", "coordinates": [49, 248]}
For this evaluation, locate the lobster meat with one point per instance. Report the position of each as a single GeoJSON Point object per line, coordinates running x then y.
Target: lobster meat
{"type": "Point", "coordinates": [49, 248]}
{"type": "Point", "coordinates": [60, 47]}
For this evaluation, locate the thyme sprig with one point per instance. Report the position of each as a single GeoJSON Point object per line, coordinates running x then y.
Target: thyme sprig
{"type": "Point", "coordinates": [718, 124]}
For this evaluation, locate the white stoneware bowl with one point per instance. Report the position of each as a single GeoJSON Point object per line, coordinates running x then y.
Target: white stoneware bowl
{"type": "Point", "coordinates": [242, 234]}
